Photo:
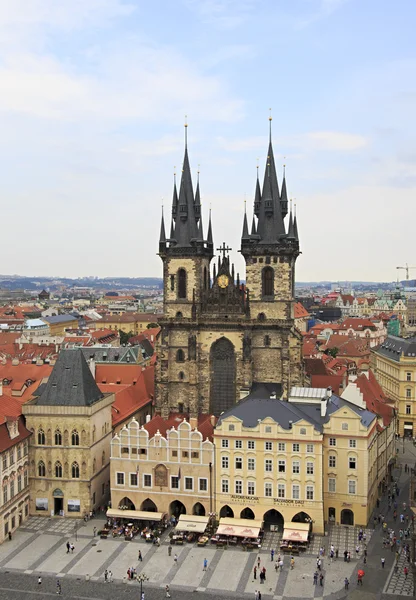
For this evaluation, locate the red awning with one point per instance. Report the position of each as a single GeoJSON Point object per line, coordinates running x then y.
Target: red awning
{"type": "Point", "coordinates": [295, 535]}
{"type": "Point", "coordinates": [238, 531]}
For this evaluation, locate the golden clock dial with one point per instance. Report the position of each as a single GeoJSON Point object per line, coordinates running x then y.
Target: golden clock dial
{"type": "Point", "coordinates": [223, 281]}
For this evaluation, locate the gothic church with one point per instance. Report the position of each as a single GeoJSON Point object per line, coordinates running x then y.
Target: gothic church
{"type": "Point", "coordinates": [220, 337]}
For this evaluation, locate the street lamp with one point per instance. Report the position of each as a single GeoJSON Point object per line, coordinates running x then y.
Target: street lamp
{"type": "Point", "coordinates": [142, 577]}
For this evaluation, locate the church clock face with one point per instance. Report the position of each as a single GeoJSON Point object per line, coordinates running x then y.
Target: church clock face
{"type": "Point", "coordinates": [223, 281]}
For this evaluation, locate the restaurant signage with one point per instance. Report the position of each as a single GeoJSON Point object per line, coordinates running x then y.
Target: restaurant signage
{"type": "Point", "coordinates": [283, 501]}
{"type": "Point", "coordinates": [244, 499]}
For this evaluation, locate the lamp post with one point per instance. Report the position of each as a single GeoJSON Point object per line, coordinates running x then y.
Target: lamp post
{"type": "Point", "coordinates": [142, 577]}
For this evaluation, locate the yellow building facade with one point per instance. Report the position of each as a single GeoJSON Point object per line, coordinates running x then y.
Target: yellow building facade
{"type": "Point", "coordinates": [127, 322]}
{"type": "Point", "coordinates": [70, 444]}
{"type": "Point", "coordinates": [394, 365]}
{"type": "Point", "coordinates": [169, 470]}
{"type": "Point", "coordinates": [269, 473]}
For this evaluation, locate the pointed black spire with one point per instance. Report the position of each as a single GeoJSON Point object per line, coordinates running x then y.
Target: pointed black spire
{"type": "Point", "coordinates": [186, 228]}
{"type": "Point", "coordinates": [172, 229]}
{"type": "Point", "coordinates": [175, 200]}
{"type": "Point", "coordinates": [295, 227]}
{"type": "Point", "coordinates": [257, 197]}
{"type": "Point", "coordinates": [200, 230]}
{"type": "Point", "coordinates": [197, 202]}
{"type": "Point", "coordinates": [253, 227]}
{"type": "Point", "coordinates": [209, 238]}
{"type": "Point", "coordinates": [245, 235]}
{"type": "Point", "coordinates": [162, 237]}
{"type": "Point", "coordinates": [283, 195]}
{"type": "Point", "coordinates": [290, 230]}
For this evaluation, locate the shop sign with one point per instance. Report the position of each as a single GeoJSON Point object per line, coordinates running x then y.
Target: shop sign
{"type": "Point", "coordinates": [284, 501]}
{"type": "Point", "coordinates": [74, 506]}
{"type": "Point", "coordinates": [238, 498]}
{"type": "Point", "coordinates": [41, 504]}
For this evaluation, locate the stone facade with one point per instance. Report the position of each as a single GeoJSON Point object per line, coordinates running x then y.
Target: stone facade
{"type": "Point", "coordinates": [218, 336]}
{"type": "Point", "coordinates": [69, 457]}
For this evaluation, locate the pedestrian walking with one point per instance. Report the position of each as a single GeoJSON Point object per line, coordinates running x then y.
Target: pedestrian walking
{"type": "Point", "coordinates": [406, 572]}
{"type": "Point", "coordinates": [94, 530]}
{"type": "Point", "coordinates": [272, 554]}
{"type": "Point", "coordinates": [169, 550]}
{"type": "Point", "coordinates": [72, 548]}
{"type": "Point", "coordinates": [292, 563]}
{"type": "Point", "coordinates": [205, 565]}
{"type": "Point", "coordinates": [58, 588]}
{"type": "Point", "coordinates": [346, 583]}
{"type": "Point", "coordinates": [321, 579]}
{"type": "Point", "coordinates": [142, 596]}
{"type": "Point", "coordinates": [140, 557]}
{"type": "Point", "coordinates": [255, 572]}
{"type": "Point", "coordinates": [281, 564]}
{"type": "Point", "coordinates": [276, 566]}
{"type": "Point", "coordinates": [359, 580]}
{"type": "Point", "coordinates": [261, 577]}
{"type": "Point", "coordinates": [264, 573]}
{"type": "Point", "coordinates": [258, 562]}
{"type": "Point", "coordinates": [39, 580]}
{"type": "Point", "coordinates": [68, 547]}
{"type": "Point", "coordinates": [175, 559]}
{"type": "Point", "coordinates": [167, 590]}
{"type": "Point", "coordinates": [315, 578]}
{"type": "Point", "coordinates": [357, 551]}
{"type": "Point", "coordinates": [256, 595]}
{"type": "Point", "coordinates": [110, 576]}
{"type": "Point", "coordinates": [345, 555]}
{"type": "Point", "coordinates": [383, 561]}
{"type": "Point", "coordinates": [105, 576]}
{"type": "Point", "coordinates": [259, 595]}
{"type": "Point", "coordinates": [336, 554]}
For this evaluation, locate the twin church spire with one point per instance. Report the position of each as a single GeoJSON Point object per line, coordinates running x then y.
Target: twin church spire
{"type": "Point", "coordinates": [270, 210]}
{"type": "Point", "coordinates": [186, 232]}
{"type": "Point", "coordinates": [268, 226]}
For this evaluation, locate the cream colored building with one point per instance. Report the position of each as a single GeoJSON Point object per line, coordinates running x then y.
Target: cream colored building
{"type": "Point", "coordinates": [311, 461]}
{"type": "Point", "coordinates": [70, 446]}
{"type": "Point", "coordinates": [394, 365]}
{"type": "Point", "coordinates": [165, 466]}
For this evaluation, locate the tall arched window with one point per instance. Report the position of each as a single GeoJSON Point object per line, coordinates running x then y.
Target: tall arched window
{"type": "Point", "coordinates": [58, 438]}
{"type": "Point", "coordinates": [58, 469]}
{"type": "Point", "coordinates": [94, 465]}
{"type": "Point", "coordinates": [75, 438]}
{"type": "Point", "coordinates": [75, 470]}
{"type": "Point", "coordinates": [268, 282]}
{"type": "Point", "coordinates": [41, 469]}
{"type": "Point", "coordinates": [180, 355]}
{"type": "Point", "coordinates": [181, 283]}
{"type": "Point", "coordinates": [41, 437]}
{"type": "Point", "coordinates": [103, 458]}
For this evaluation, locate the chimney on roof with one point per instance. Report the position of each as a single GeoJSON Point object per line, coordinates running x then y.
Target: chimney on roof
{"type": "Point", "coordinates": [328, 392]}
{"type": "Point", "coordinates": [212, 419]}
{"type": "Point", "coordinates": [148, 418]}
{"type": "Point", "coordinates": [324, 404]}
{"type": "Point", "coordinates": [92, 367]}
{"type": "Point", "coordinates": [193, 422]}
{"type": "Point", "coordinates": [290, 424]}
{"type": "Point", "coordinates": [273, 396]}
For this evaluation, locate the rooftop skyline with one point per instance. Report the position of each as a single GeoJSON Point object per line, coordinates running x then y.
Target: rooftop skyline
{"type": "Point", "coordinates": [94, 99]}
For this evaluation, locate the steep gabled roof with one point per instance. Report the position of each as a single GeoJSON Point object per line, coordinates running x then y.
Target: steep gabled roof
{"type": "Point", "coordinates": [71, 382]}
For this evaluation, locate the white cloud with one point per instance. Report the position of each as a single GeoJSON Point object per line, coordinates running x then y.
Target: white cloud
{"type": "Point", "coordinates": [335, 140]}
{"type": "Point", "coordinates": [224, 14]}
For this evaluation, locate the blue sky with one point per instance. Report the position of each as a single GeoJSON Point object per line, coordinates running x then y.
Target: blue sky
{"type": "Point", "coordinates": [94, 94]}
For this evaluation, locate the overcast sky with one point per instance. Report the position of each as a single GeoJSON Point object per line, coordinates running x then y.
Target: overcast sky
{"type": "Point", "coordinates": [92, 104]}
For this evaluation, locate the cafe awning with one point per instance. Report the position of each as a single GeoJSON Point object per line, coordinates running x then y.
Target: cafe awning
{"type": "Point", "coordinates": [141, 515]}
{"type": "Point", "coordinates": [192, 523]}
{"type": "Point", "coordinates": [296, 532]}
{"type": "Point", "coordinates": [245, 528]}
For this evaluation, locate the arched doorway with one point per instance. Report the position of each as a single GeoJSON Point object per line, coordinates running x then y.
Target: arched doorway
{"type": "Point", "coordinates": [273, 519]}
{"type": "Point", "coordinates": [347, 517]}
{"type": "Point", "coordinates": [198, 510]}
{"type": "Point", "coordinates": [177, 508]}
{"type": "Point", "coordinates": [126, 504]}
{"type": "Point", "coordinates": [148, 505]}
{"type": "Point", "coordinates": [247, 513]}
{"type": "Point", "coordinates": [226, 511]}
{"type": "Point", "coordinates": [222, 361]}
{"type": "Point", "coordinates": [301, 517]}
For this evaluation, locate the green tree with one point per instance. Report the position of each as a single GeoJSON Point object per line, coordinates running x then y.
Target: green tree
{"type": "Point", "coordinates": [333, 352]}
{"type": "Point", "coordinates": [152, 325]}
{"type": "Point", "coordinates": [124, 337]}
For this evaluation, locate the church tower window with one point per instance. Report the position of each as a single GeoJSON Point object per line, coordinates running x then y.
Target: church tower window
{"type": "Point", "coordinates": [268, 282]}
{"type": "Point", "coordinates": [181, 283]}
{"type": "Point", "coordinates": [267, 340]}
{"type": "Point", "coordinates": [180, 355]}
{"type": "Point", "coordinates": [205, 278]}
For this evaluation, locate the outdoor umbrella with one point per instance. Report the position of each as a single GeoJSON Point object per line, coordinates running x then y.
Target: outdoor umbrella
{"type": "Point", "coordinates": [360, 573]}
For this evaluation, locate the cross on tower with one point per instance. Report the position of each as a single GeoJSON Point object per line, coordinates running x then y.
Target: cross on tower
{"type": "Point", "coordinates": [224, 249]}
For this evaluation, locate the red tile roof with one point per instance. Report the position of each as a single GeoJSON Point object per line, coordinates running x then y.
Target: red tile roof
{"type": "Point", "coordinates": [315, 366]}
{"type": "Point", "coordinates": [324, 381]}
{"type": "Point", "coordinates": [374, 397]}
{"type": "Point", "coordinates": [300, 311]}
{"type": "Point", "coordinates": [6, 442]}
{"type": "Point", "coordinates": [357, 324]}
{"type": "Point", "coordinates": [8, 337]}
{"type": "Point", "coordinates": [205, 425]}
{"type": "Point", "coordinates": [125, 373]}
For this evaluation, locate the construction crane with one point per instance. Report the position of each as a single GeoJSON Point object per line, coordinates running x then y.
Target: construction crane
{"type": "Point", "coordinates": [407, 269]}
